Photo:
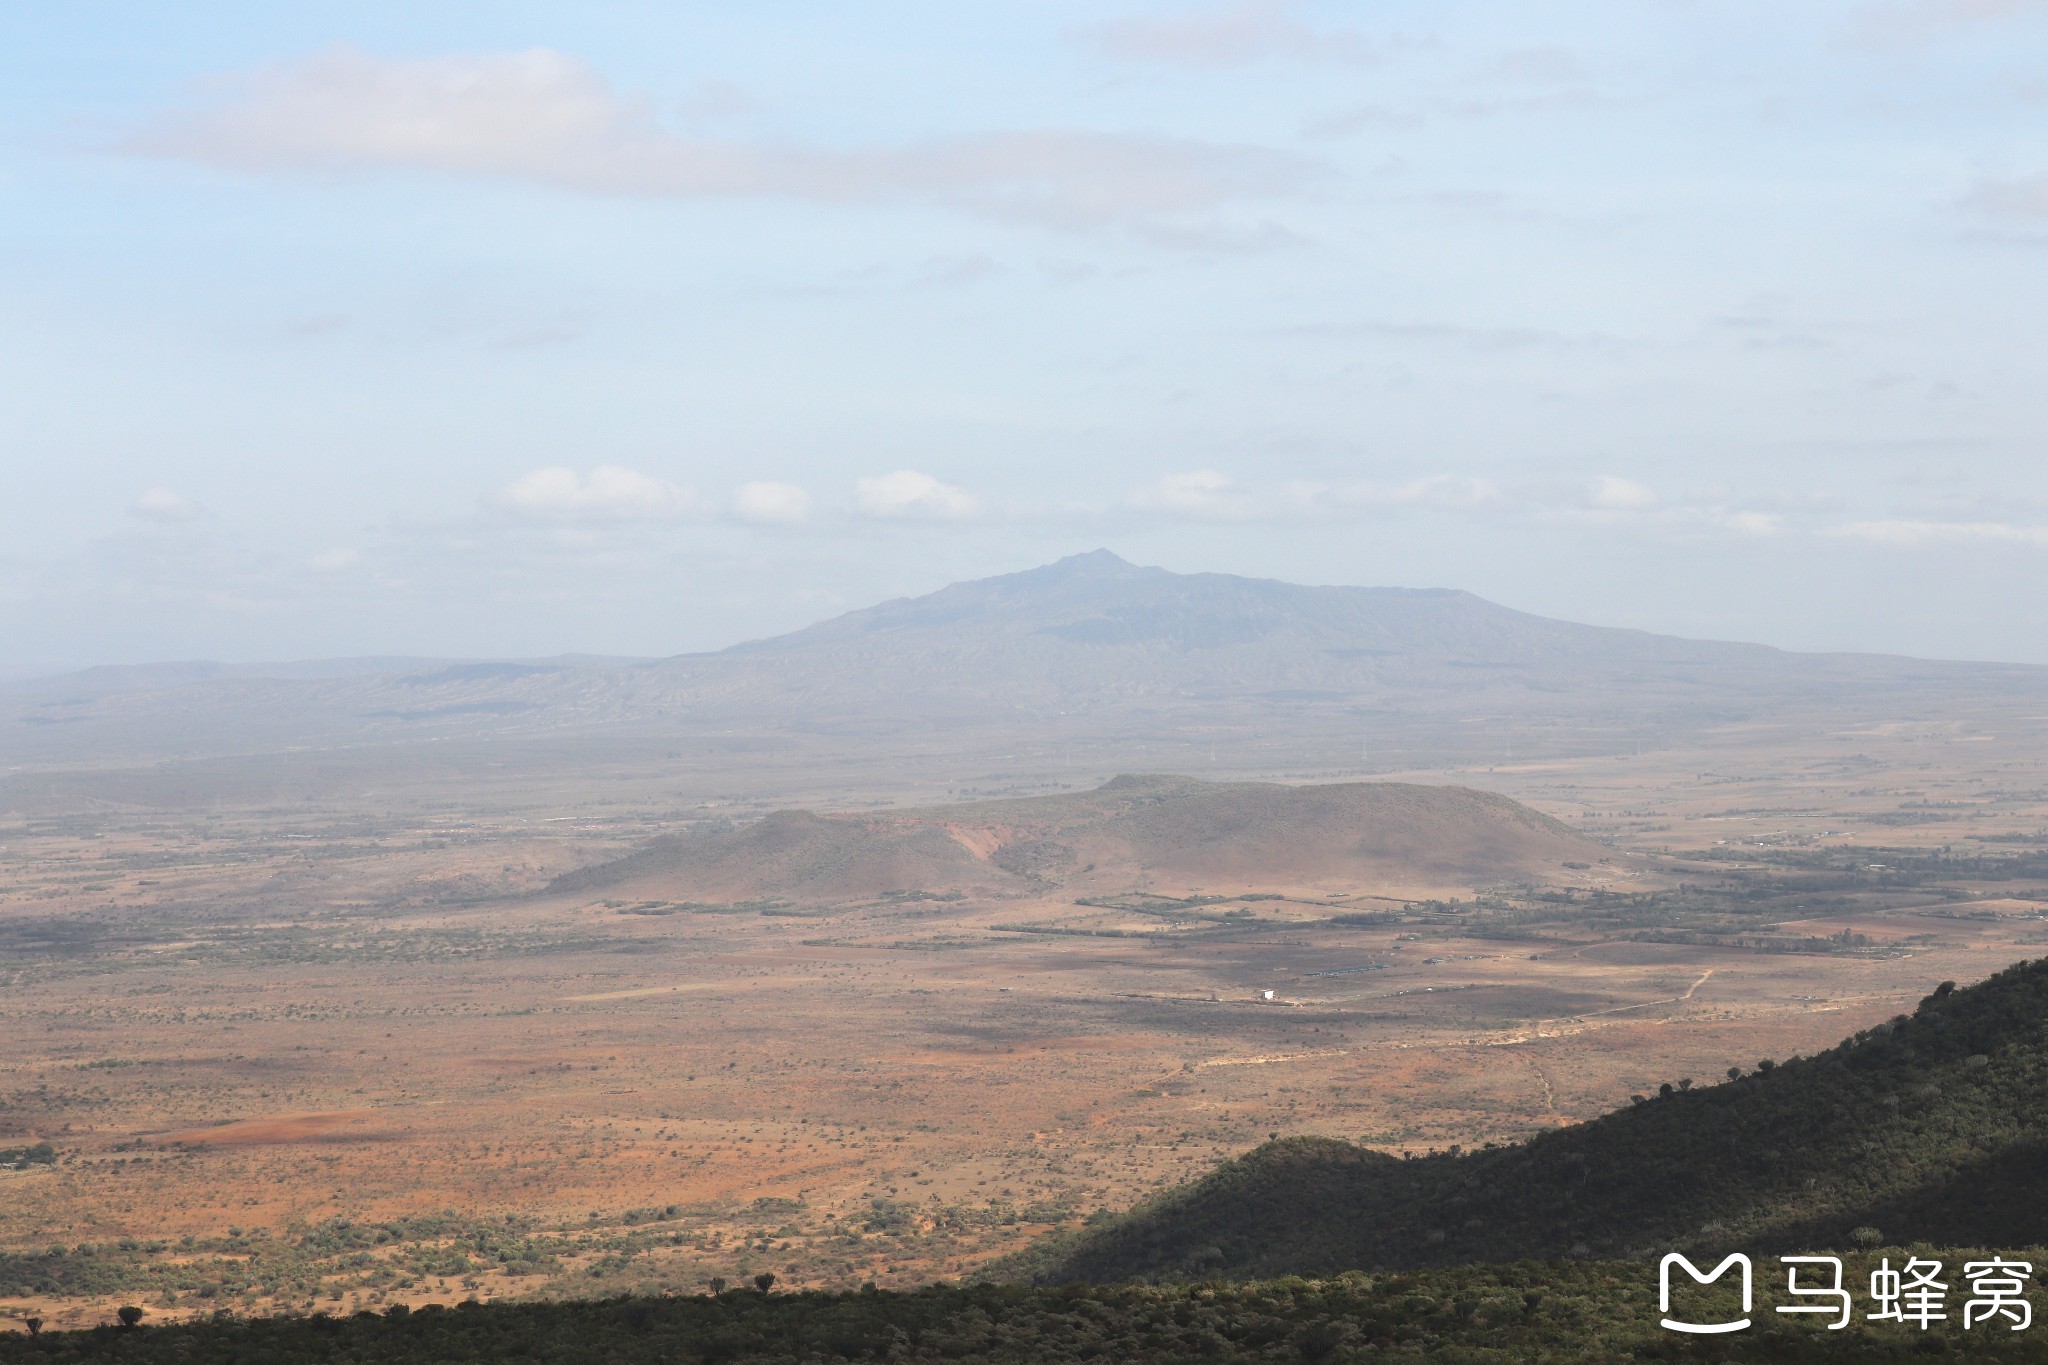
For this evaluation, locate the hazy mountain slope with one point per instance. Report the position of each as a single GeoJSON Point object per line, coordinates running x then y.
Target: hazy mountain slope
{"type": "Point", "coordinates": [114, 679]}
{"type": "Point", "coordinates": [1099, 601]}
{"type": "Point", "coordinates": [1094, 628]}
{"type": "Point", "coordinates": [1090, 649]}
{"type": "Point", "coordinates": [1933, 1127]}
{"type": "Point", "coordinates": [1092, 633]}
{"type": "Point", "coordinates": [1168, 833]}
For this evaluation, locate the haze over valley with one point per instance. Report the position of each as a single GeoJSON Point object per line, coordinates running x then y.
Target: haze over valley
{"type": "Point", "coordinates": [883, 950]}
{"type": "Point", "coordinates": [1051, 677]}
{"type": "Point", "coordinates": [1023, 684]}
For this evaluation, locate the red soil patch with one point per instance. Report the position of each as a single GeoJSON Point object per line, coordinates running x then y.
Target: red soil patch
{"type": "Point", "coordinates": [285, 1129]}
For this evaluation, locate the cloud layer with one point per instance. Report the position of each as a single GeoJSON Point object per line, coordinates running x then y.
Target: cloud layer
{"type": "Point", "coordinates": [1915, 22]}
{"type": "Point", "coordinates": [551, 118]}
{"type": "Point", "coordinates": [579, 503]}
{"type": "Point", "coordinates": [1230, 35]}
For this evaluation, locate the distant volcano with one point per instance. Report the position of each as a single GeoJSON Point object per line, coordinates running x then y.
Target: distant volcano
{"type": "Point", "coordinates": [1141, 667]}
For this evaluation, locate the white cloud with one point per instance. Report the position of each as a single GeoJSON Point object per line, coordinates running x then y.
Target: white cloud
{"type": "Point", "coordinates": [2026, 197]}
{"type": "Point", "coordinates": [1614, 494]}
{"type": "Point", "coordinates": [1915, 22]}
{"type": "Point", "coordinates": [909, 494]}
{"type": "Point", "coordinates": [771, 504]}
{"type": "Point", "coordinates": [548, 117]}
{"type": "Point", "coordinates": [1203, 494]}
{"type": "Point", "coordinates": [1230, 35]}
{"type": "Point", "coordinates": [1750, 523]}
{"type": "Point", "coordinates": [161, 504]}
{"type": "Point", "coordinates": [606, 491]}
{"type": "Point", "coordinates": [1909, 532]}
{"type": "Point", "coordinates": [334, 561]}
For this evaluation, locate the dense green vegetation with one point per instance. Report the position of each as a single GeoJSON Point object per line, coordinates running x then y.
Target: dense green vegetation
{"type": "Point", "coordinates": [1929, 1128]}
{"type": "Point", "coordinates": [1572, 1311]}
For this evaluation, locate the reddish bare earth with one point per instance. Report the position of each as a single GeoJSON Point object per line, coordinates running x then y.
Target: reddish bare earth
{"type": "Point", "coordinates": [462, 1021]}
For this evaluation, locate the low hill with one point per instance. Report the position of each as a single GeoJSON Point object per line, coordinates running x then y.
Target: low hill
{"type": "Point", "coordinates": [1162, 833]}
{"type": "Point", "coordinates": [1933, 1127]}
{"type": "Point", "coordinates": [796, 855]}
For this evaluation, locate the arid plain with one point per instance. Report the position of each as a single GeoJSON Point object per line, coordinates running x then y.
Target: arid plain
{"type": "Point", "coordinates": [360, 1044]}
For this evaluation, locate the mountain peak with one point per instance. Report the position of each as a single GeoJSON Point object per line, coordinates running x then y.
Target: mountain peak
{"type": "Point", "coordinates": [1098, 561]}
{"type": "Point", "coordinates": [1099, 566]}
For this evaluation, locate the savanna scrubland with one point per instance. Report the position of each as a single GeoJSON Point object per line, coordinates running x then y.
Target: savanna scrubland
{"type": "Point", "coordinates": [515, 1014]}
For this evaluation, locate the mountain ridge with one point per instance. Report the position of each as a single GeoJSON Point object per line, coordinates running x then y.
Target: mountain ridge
{"type": "Point", "coordinates": [1088, 649]}
{"type": "Point", "coordinates": [1159, 606]}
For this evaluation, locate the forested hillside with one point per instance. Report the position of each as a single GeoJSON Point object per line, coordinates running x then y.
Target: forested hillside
{"type": "Point", "coordinates": [1572, 1312]}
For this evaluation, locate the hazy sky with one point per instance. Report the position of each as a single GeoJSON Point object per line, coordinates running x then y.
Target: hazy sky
{"type": "Point", "coordinates": [518, 328]}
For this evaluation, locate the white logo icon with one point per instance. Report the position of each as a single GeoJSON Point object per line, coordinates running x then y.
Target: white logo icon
{"type": "Point", "coordinates": [1664, 1292]}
